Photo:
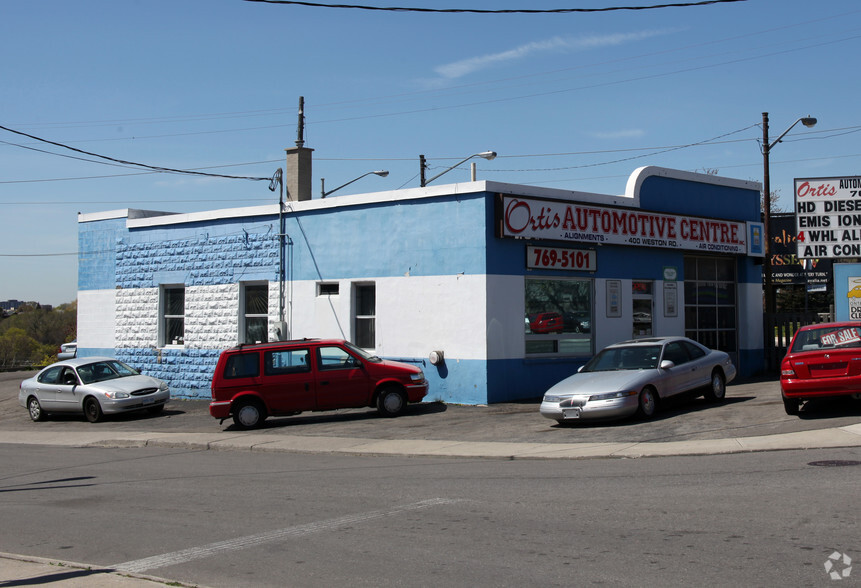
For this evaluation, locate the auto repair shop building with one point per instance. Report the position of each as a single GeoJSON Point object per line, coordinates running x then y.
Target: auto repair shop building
{"type": "Point", "coordinates": [508, 288]}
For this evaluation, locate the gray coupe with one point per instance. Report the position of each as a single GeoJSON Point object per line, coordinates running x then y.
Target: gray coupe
{"type": "Point", "coordinates": [632, 376]}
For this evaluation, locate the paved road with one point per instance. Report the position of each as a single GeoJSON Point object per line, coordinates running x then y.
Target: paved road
{"type": "Point", "coordinates": [750, 419]}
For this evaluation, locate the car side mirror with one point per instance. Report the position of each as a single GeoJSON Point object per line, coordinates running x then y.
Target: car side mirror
{"type": "Point", "coordinates": [667, 364]}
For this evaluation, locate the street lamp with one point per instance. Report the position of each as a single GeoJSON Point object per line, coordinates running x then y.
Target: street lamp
{"type": "Point", "coordinates": [382, 173]}
{"type": "Point", "coordinates": [807, 121]}
{"type": "Point", "coordinates": [488, 155]}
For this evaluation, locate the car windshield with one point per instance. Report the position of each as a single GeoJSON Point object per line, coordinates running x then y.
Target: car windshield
{"type": "Point", "coordinates": [104, 370]}
{"type": "Point", "coordinates": [362, 353]}
{"type": "Point", "coordinates": [827, 338]}
{"type": "Point", "coordinates": [634, 357]}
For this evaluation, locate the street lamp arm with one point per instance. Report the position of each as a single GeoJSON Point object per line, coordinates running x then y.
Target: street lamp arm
{"type": "Point", "coordinates": [381, 173]}
{"type": "Point", "coordinates": [488, 155]}
{"type": "Point", "coordinates": [807, 121]}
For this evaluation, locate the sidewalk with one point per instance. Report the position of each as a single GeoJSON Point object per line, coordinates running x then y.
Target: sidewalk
{"type": "Point", "coordinates": [846, 436]}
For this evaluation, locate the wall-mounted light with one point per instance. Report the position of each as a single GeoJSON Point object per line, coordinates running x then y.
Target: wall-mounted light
{"type": "Point", "coordinates": [437, 357]}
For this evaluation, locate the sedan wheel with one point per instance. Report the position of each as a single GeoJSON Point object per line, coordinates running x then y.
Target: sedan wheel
{"type": "Point", "coordinates": [35, 409]}
{"type": "Point", "coordinates": [717, 388]}
{"type": "Point", "coordinates": [647, 403]}
{"type": "Point", "coordinates": [791, 406]}
{"type": "Point", "coordinates": [92, 410]}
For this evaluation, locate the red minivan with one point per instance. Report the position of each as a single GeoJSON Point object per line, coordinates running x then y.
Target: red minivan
{"type": "Point", "coordinates": [252, 382]}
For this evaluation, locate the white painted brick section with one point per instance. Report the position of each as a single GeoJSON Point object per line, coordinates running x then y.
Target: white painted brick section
{"type": "Point", "coordinates": [137, 318]}
{"type": "Point", "coordinates": [211, 316]}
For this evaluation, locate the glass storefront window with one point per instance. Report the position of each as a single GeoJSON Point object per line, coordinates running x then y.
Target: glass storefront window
{"type": "Point", "coordinates": [710, 302]}
{"type": "Point", "coordinates": [558, 316]}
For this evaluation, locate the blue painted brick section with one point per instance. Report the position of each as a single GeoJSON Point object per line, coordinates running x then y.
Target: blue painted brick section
{"type": "Point", "coordinates": [189, 371]}
{"type": "Point", "coordinates": [202, 261]}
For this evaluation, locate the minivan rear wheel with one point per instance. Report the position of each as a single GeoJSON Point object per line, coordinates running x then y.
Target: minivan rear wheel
{"type": "Point", "coordinates": [249, 414]}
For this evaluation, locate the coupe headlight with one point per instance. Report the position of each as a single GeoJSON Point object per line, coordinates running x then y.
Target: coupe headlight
{"type": "Point", "coordinates": [612, 395]}
{"type": "Point", "coordinates": [419, 377]}
{"type": "Point", "coordinates": [163, 387]}
{"type": "Point", "coordinates": [117, 395]}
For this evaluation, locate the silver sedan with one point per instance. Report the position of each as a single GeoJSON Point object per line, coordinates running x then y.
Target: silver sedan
{"type": "Point", "coordinates": [633, 376]}
{"type": "Point", "coordinates": [94, 386]}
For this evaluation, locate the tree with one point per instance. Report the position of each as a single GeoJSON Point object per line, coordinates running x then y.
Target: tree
{"type": "Point", "coordinates": [16, 348]}
{"type": "Point", "coordinates": [32, 336]}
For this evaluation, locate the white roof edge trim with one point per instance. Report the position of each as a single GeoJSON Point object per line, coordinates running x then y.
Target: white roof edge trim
{"type": "Point", "coordinates": [86, 217]}
{"type": "Point", "coordinates": [639, 175]}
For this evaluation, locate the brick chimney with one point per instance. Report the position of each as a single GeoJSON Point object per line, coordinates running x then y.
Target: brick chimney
{"type": "Point", "coordinates": [297, 174]}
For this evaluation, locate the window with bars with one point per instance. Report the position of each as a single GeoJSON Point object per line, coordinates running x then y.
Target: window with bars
{"type": "Point", "coordinates": [172, 323]}
{"type": "Point", "coordinates": [254, 319]}
{"type": "Point", "coordinates": [364, 334]}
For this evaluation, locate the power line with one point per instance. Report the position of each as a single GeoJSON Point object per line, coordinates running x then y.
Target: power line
{"type": "Point", "coordinates": [500, 11]}
{"type": "Point", "coordinates": [132, 163]}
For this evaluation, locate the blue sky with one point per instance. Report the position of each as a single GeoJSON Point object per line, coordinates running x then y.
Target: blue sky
{"type": "Point", "coordinates": [572, 101]}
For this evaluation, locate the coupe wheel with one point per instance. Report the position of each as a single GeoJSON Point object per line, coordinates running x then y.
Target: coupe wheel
{"type": "Point", "coordinates": [648, 403]}
{"type": "Point", "coordinates": [717, 388]}
{"type": "Point", "coordinates": [791, 406]}
{"type": "Point", "coordinates": [35, 409]}
{"type": "Point", "coordinates": [92, 410]}
{"type": "Point", "coordinates": [250, 414]}
{"type": "Point", "coordinates": [391, 402]}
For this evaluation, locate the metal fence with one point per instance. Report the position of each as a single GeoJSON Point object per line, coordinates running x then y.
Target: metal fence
{"type": "Point", "coordinates": [779, 328]}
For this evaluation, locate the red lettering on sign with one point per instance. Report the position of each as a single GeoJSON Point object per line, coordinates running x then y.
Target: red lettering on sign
{"type": "Point", "coordinates": [806, 189]}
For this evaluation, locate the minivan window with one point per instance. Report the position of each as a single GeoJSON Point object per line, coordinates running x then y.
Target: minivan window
{"type": "Point", "coordinates": [286, 361]}
{"type": "Point", "coordinates": [335, 358]}
{"type": "Point", "coordinates": [242, 365]}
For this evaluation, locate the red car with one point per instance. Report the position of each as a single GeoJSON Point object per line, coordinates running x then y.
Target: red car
{"type": "Point", "coordinates": [285, 378]}
{"type": "Point", "coordinates": [823, 360]}
{"type": "Point", "coordinates": [546, 322]}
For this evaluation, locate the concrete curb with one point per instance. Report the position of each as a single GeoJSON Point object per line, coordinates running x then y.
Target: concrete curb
{"type": "Point", "coordinates": [19, 570]}
{"type": "Point", "coordinates": [849, 436]}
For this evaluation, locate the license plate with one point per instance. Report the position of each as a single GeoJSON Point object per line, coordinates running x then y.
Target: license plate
{"type": "Point", "coordinates": [571, 413]}
{"type": "Point", "coordinates": [148, 400]}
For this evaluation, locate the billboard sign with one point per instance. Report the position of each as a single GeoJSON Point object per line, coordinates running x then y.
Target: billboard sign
{"type": "Point", "coordinates": [786, 267]}
{"type": "Point", "coordinates": [828, 217]}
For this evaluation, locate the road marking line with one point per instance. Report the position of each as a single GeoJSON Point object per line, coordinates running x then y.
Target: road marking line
{"type": "Point", "coordinates": [204, 551]}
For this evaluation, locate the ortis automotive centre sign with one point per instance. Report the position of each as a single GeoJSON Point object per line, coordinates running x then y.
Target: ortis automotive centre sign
{"type": "Point", "coordinates": [569, 221]}
{"type": "Point", "coordinates": [828, 217]}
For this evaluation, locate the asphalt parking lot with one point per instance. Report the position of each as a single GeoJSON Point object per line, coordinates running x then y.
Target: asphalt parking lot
{"type": "Point", "coordinates": [751, 408]}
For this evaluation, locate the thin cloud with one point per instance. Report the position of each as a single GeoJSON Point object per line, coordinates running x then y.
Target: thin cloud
{"type": "Point", "coordinates": [458, 69]}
